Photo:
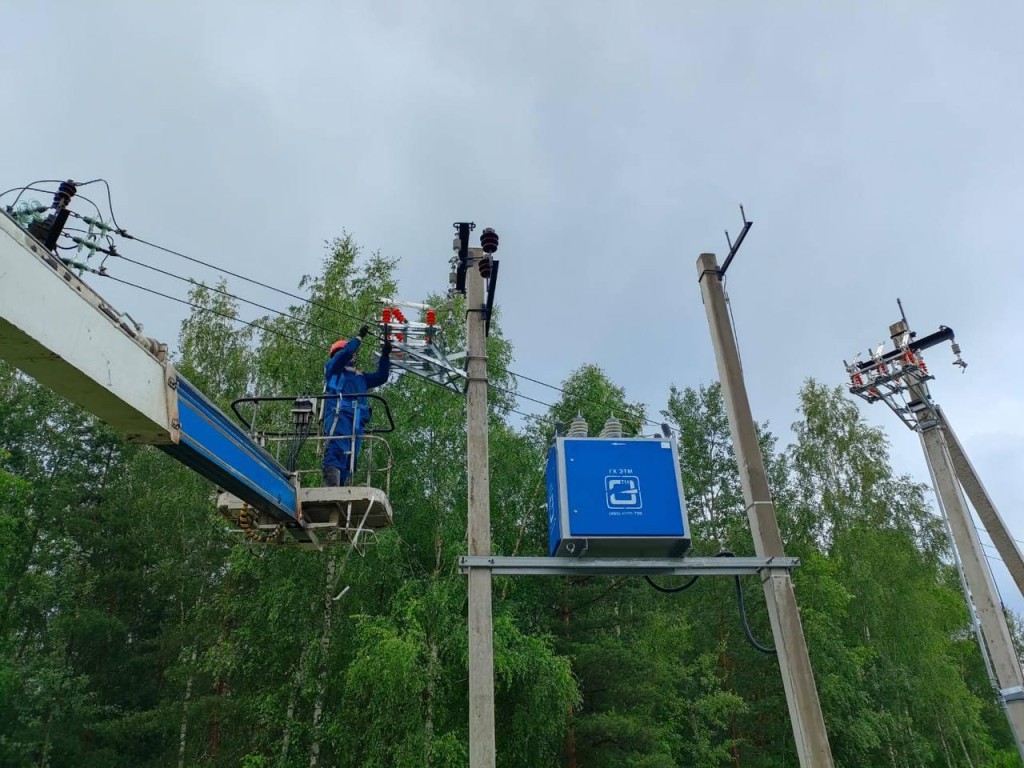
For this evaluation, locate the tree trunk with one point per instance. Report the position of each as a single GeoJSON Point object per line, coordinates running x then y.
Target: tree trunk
{"type": "Point", "coordinates": [570, 744]}
{"type": "Point", "coordinates": [723, 663]}
{"type": "Point", "coordinates": [570, 734]}
{"type": "Point", "coordinates": [321, 682]}
{"type": "Point", "coordinates": [220, 686]}
{"type": "Point", "coordinates": [12, 588]}
{"type": "Point", "coordinates": [524, 520]}
{"type": "Point", "coordinates": [218, 689]}
{"type": "Point", "coordinates": [428, 699]}
{"type": "Point", "coordinates": [967, 756]}
{"type": "Point", "coordinates": [292, 699]}
{"type": "Point", "coordinates": [438, 543]}
{"type": "Point", "coordinates": [945, 747]}
{"type": "Point", "coordinates": [183, 730]}
{"type": "Point", "coordinates": [44, 757]}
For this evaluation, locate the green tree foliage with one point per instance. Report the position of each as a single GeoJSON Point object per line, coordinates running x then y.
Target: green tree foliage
{"type": "Point", "coordinates": [887, 624]}
{"type": "Point", "coordinates": [137, 630]}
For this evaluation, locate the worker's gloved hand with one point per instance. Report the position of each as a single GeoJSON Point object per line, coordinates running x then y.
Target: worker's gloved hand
{"type": "Point", "coordinates": [363, 331]}
{"type": "Point", "coordinates": [386, 349]}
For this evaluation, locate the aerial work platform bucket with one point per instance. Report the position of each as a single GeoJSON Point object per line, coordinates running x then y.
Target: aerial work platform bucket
{"type": "Point", "coordinates": [326, 515]}
{"type": "Point", "coordinates": [336, 516]}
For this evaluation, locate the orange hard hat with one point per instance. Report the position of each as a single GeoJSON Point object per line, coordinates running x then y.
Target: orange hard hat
{"type": "Point", "coordinates": [338, 345]}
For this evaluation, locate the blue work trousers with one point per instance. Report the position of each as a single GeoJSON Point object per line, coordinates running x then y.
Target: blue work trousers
{"type": "Point", "coordinates": [338, 458]}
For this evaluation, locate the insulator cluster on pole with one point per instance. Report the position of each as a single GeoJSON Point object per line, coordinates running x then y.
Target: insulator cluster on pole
{"type": "Point", "coordinates": [489, 244]}
{"type": "Point", "coordinates": [49, 229]}
{"type": "Point", "coordinates": [486, 263]}
{"type": "Point", "coordinates": [895, 376]}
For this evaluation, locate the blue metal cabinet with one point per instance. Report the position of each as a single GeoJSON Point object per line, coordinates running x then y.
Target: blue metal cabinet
{"type": "Point", "coordinates": [616, 497]}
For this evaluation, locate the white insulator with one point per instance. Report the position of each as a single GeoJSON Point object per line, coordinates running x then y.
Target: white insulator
{"type": "Point", "coordinates": [612, 428]}
{"type": "Point", "coordinates": [578, 427]}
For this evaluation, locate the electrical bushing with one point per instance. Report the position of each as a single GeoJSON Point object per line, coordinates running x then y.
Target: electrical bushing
{"type": "Point", "coordinates": [616, 497]}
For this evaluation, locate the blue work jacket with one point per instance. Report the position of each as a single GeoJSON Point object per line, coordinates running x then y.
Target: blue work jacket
{"type": "Point", "coordinates": [342, 379]}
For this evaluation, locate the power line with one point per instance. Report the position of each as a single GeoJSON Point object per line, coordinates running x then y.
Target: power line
{"type": "Point", "coordinates": [110, 202]}
{"type": "Point", "coordinates": [232, 317]}
{"type": "Point", "coordinates": [225, 315]}
{"type": "Point", "coordinates": [532, 416]}
{"type": "Point", "coordinates": [537, 381]}
{"type": "Point", "coordinates": [261, 327]}
{"type": "Point", "coordinates": [222, 270]}
{"type": "Point", "coordinates": [221, 291]}
{"type": "Point", "coordinates": [240, 320]}
{"type": "Point", "coordinates": [592, 401]}
{"type": "Point", "coordinates": [500, 388]}
{"type": "Point", "coordinates": [311, 324]}
{"type": "Point", "coordinates": [31, 188]}
{"type": "Point", "coordinates": [516, 394]}
{"type": "Point", "coordinates": [982, 530]}
{"type": "Point", "coordinates": [123, 233]}
{"type": "Point", "coordinates": [302, 321]}
{"type": "Point", "coordinates": [236, 319]}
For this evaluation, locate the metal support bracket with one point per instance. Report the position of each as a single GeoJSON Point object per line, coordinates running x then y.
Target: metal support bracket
{"type": "Point", "coordinates": [492, 285]}
{"type": "Point", "coordinates": [595, 566]}
{"type": "Point", "coordinates": [1016, 693]}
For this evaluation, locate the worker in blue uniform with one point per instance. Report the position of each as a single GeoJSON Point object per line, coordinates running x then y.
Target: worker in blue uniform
{"type": "Point", "coordinates": [345, 418]}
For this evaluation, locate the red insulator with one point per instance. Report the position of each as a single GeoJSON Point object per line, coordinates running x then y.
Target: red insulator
{"type": "Point", "coordinates": [857, 380]}
{"type": "Point", "coordinates": [387, 315]}
{"type": "Point", "coordinates": [485, 266]}
{"type": "Point", "coordinates": [431, 317]}
{"type": "Point", "coordinates": [489, 241]}
{"type": "Point", "coordinates": [922, 366]}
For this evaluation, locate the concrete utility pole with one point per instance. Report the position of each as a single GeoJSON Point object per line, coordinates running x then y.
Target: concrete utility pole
{"type": "Point", "coordinates": [797, 676]}
{"type": "Point", "coordinates": [976, 573]}
{"type": "Point", "coordinates": [899, 378]}
{"type": "Point", "coordinates": [481, 640]}
{"type": "Point", "coordinates": [1001, 659]}
{"type": "Point", "coordinates": [983, 504]}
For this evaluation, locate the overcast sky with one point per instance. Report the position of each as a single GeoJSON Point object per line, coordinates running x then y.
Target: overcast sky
{"type": "Point", "coordinates": [875, 146]}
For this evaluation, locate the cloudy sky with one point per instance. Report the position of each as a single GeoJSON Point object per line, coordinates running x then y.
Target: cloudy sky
{"type": "Point", "coordinates": [875, 146]}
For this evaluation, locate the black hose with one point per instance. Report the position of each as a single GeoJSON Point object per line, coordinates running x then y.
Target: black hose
{"type": "Point", "coordinates": [739, 602]}
{"type": "Point", "coordinates": [671, 590]}
{"type": "Point", "coordinates": [746, 627]}
{"type": "Point", "coordinates": [687, 585]}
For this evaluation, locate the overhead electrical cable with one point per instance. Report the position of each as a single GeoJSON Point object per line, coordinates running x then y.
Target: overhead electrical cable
{"type": "Point", "coordinates": [312, 302]}
{"type": "Point", "coordinates": [590, 400]}
{"type": "Point", "coordinates": [255, 325]}
{"type": "Point", "coordinates": [110, 202]}
{"type": "Point", "coordinates": [331, 331]}
{"type": "Point", "coordinates": [225, 315]}
{"type": "Point", "coordinates": [30, 188]}
{"type": "Point", "coordinates": [222, 270]}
